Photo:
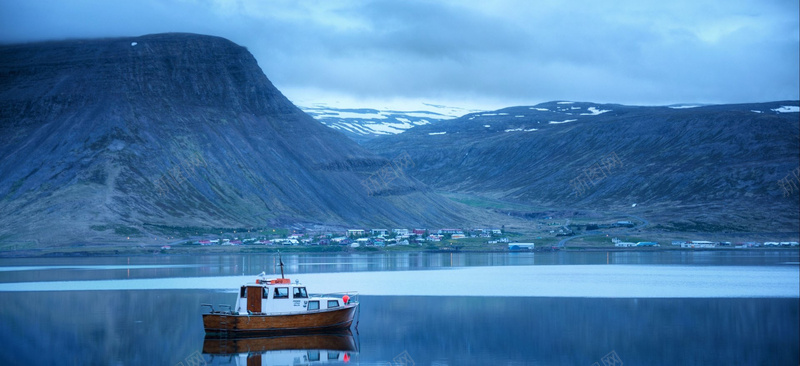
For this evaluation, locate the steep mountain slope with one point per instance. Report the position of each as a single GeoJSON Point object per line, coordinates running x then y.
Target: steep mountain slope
{"type": "Point", "coordinates": [706, 168]}
{"type": "Point", "coordinates": [104, 139]}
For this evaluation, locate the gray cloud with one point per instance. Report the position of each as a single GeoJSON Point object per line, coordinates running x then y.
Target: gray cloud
{"type": "Point", "coordinates": [500, 52]}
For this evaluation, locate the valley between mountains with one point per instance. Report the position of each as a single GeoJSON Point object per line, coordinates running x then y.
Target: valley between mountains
{"type": "Point", "coordinates": [173, 137]}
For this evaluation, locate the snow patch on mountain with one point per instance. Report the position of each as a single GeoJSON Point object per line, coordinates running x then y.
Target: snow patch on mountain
{"type": "Point", "coordinates": [787, 109]}
{"type": "Point", "coordinates": [594, 111]}
{"type": "Point", "coordinates": [366, 123]}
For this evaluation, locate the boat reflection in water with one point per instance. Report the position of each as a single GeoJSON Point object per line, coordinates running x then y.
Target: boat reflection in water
{"type": "Point", "coordinates": [284, 348]}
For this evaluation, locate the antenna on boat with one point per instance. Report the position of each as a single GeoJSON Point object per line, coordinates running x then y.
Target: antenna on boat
{"type": "Point", "coordinates": [280, 261]}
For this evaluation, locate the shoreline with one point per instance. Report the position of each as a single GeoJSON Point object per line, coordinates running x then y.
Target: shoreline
{"type": "Point", "coordinates": [180, 250]}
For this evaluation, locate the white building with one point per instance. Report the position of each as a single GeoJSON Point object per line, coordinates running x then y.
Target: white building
{"type": "Point", "coordinates": [400, 232]}
{"type": "Point", "coordinates": [699, 244]}
{"type": "Point", "coordinates": [355, 232]}
{"type": "Point", "coordinates": [520, 246]}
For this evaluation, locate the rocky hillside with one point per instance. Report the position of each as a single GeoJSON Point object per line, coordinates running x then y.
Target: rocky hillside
{"type": "Point", "coordinates": [115, 138]}
{"type": "Point", "coordinates": [686, 168]}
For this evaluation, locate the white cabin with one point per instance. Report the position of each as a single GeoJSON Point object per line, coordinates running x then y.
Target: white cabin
{"type": "Point", "coordinates": [280, 296]}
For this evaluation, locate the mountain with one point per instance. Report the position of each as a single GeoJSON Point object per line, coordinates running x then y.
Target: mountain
{"type": "Point", "coordinates": [363, 124]}
{"type": "Point", "coordinates": [115, 138]}
{"type": "Point", "coordinates": [688, 168]}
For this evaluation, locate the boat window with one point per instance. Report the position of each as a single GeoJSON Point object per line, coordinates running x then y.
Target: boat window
{"type": "Point", "coordinates": [243, 292]}
{"type": "Point", "coordinates": [313, 305]}
{"type": "Point", "coordinates": [300, 292]}
{"type": "Point", "coordinates": [264, 293]}
{"type": "Point", "coordinates": [313, 355]}
{"type": "Point", "coordinates": [281, 293]}
{"type": "Point", "coordinates": [333, 304]}
{"type": "Point", "coordinates": [333, 355]}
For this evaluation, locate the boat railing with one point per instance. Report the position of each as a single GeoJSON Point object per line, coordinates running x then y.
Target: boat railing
{"type": "Point", "coordinates": [222, 306]}
{"type": "Point", "coordinates": [353, 295]}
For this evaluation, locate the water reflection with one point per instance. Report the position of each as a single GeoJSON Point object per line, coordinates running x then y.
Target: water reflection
{"type": "Point", "coordinates": [282, 349]}
{"type": "Point", "coordinates": [162, 266]}
{"type": "Point", "coordinates": [164, 327]}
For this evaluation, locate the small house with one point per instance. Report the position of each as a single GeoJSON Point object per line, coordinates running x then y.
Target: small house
{"type": "Point", "coordinates": [355, 232]}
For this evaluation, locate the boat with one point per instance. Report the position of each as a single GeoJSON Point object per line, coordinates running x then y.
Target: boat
{"type": "Point", "coordinates": [280, 305]}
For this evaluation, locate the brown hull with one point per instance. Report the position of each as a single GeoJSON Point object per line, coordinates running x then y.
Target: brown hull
{"type": "Point", "coordinates": [340, 318]}
{"type": "Point", "coordinates": [337, 341]}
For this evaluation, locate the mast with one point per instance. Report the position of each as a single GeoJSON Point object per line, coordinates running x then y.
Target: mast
{"type": "Point", "coordinates": [280, 261]}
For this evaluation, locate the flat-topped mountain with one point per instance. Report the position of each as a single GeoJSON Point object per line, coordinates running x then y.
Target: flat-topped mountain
{"type": "Point", "coordinates": [110, 138]}
{"type": "Point", "coordinates": [687, 168]}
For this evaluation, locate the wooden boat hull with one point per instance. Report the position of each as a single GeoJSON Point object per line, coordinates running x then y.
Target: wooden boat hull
{"type": "Point", "coordinates": [339, 318]}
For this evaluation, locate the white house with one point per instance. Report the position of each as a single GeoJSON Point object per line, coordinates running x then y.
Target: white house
{"type": "Point", "coordinates": [699, 244]}
{"type": "Point", "coordinates": [355, 232]}
{"type": "Point", "coordinates": [400, 232]}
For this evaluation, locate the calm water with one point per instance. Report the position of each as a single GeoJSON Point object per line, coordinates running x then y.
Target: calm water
{"type": "Point", "coordinates": [682, 308]}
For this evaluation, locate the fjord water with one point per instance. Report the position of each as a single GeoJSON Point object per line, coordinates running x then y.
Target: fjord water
{"type": "Point", "coordinates": [654, 308]}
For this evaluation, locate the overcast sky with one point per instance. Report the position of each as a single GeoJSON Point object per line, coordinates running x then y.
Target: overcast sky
{"type": "Point", "coordinates": [473, 54]}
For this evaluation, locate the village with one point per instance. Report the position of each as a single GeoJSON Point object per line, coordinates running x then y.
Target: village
{"type": "Point", "coordinates": [356, 238]}
{"type": "Point", "coordinates": [448, 239]}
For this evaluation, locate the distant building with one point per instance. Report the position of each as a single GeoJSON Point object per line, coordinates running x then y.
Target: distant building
{"type": "Point", "coordinates": [521, 246]}
{"type": "Point", "coordinates": [400, 232]}
{"type": "Point", "coordinates": [699, 244]}
{"type": "Point", "coordinates": [355, 232]}
{"type": "Point", "coordinates": [646, 244]}
{"type": "Point", "coordinates": [450, 231]}
{"type": "Point", "coordinates": [379, 232]}
{"type": "Point", "coordinates": [458, 236]}
{"type": "Point", "coordinates": [419, 232]}
{"type": "Point", "coordinates": [624, 244]}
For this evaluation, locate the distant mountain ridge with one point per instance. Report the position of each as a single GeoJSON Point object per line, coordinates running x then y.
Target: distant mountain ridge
{"type": "Point", "coordinates": [704, 168]}
{"type": "Point", "coordinates": [362, 124]}
{"type": "Point", "coordinates": [108, 139]}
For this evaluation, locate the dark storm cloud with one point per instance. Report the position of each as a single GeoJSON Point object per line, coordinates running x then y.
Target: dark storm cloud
{"type": "Point", "coordinates": [499, 52]}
